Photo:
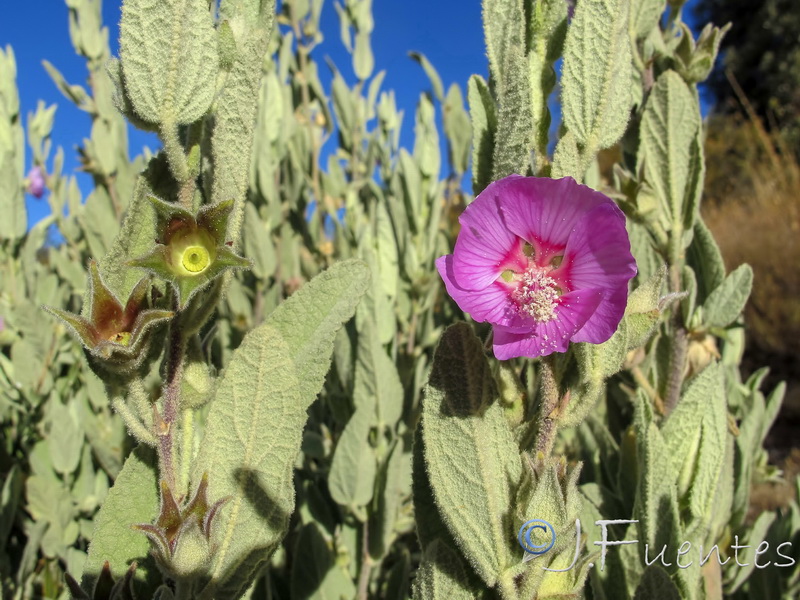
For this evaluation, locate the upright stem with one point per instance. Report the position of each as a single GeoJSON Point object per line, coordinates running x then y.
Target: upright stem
{"type": "Point", "coordinates": [175, 153]}
{"type": "Point", "coordinates": [507, 588]}
{"type": "Point", "coordinates": [680, 344]}
{"type": "Point", "coordinates": [366, 565]}
{"type": "Point", "coordinates": [548, 390]}
{"type": "Point", "coordinates": [187, 444]}
{"type": "Point", "coordinates": [167, 432]}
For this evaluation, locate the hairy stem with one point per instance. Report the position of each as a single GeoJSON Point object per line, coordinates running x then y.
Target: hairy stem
{"type": "Point", "coordinates": [548, 390]}
{"type": "Point", "coordinates": [187, 447]}
{"type": "Point", "coordinates": [680, 344]}
{"type": "Point", "coordinates": [175, 153]}
{"type": "Point", "coordinates": [507, 588]}
{"type": "Point", "coordinates": [132, 422]}
{"type": "Point", "coordinates": [366, 566]}
{"type": "Point", "coordinates": [167, 426]}
{"type": "Point", "coordinates": [140, 401]}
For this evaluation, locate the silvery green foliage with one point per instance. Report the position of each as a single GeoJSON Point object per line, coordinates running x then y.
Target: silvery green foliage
{"type": "Point", "coordinates": [12, 152]}
{"type": "Point", "coordinates": [407, 468]}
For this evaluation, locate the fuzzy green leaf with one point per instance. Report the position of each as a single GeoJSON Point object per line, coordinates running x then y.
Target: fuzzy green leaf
{"type": "Point", "coordinates": [234, 120]}
{"type": "Point", "coordinates": [669, 130]}
{"type": "Point", "coordinates": [471, 456]}
{"type": "Point", "coordinates": [428, 520]}
{"type": "Point", "coordinates": [66, 438]}
{"type": "Point", "coordinates": [727, 301]}
{"type": "Point", "coordinates": [457, 128]}
{"type": "Point", "coordinates": [132, 500]}
{"type": "Point", "coordinates": [482, 112]}
{"type": "Point", "coordinates": [656, 584]}
{"type": "Point", "coordinates": [255, 425]}
{"type": "Point", "coordinates": [258, 243]}
{"type": "Point", "coordinates": [309, 320]}
{"type": "Point", "coordinates": [514, 116]}
{"type": "Point", "coordinates": [656, 505]}
{"type": "Point", "coordinates": [12, 201]}
{"type": "Point", "coordinates": [251, 442]}
{"type": "Point", "coordinates": [567, 158]}
{"type": "Point", "coordinates": [426, 140]}
{"type": "Point", "coordinates": [169, 58]}
{"type": "Point", "coordinates": [597, 73]}
{"type": "Point", "coordinates": [363, 59]}
{"type": "Point", "coordinates": [354, 466]}
{"type": "Point", "coordinates": [441, 575]}
{"type": "Point", "coordinates": [644, 16]}
{"type": "Point", "coordinates": [433, 75]}
{"type": "Point", "coordinates": [134, 239]}
{"type": "Point", "coordinates": [695, 436]}
{"type": "Point", "coordinates": [377, 384]}
{"type": "Point", "coordinates": [504, 28]}
{"type": "Point", "coordinates": [705, 258]}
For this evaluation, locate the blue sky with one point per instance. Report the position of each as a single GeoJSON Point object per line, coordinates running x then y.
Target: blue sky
{"type": "Point", "coordinates": [448, 32]}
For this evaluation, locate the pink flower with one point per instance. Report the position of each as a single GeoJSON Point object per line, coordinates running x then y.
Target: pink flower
{"type": "Point", "coordinates": [545, 261]}
{"type": "Point", "coordinates": [35, 182]}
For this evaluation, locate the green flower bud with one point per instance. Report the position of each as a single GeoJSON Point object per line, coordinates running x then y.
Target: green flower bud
{"type": "Point", "coordinates": [114, 334]}
{"type": "Point", "coordinates": [181, 536]}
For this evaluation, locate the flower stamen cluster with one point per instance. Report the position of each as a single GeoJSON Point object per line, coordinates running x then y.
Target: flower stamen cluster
{"type": "Point", "coordinates": [536, 295]}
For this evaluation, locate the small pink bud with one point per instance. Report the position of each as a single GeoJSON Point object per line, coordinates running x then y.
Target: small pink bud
{"type": "Point", "coordinates": [36, 183]}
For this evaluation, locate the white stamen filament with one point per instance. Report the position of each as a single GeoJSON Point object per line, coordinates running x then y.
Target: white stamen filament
{"type": "Point", "coordinates": [536, 295]}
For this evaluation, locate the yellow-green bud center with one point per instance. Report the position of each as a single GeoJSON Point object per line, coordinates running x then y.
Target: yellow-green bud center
{"type": "Point", "coordinates": [195, 259]}
{"type": "Point", "coordinates": [123, 338]}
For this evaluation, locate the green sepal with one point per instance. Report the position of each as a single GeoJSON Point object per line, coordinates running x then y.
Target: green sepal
{"type": "Point", "coordinates": [226, 259]}
{"type": "Point", "coordinates": [229, 259]}
{"type": "Point", "coordinates": [155, 262]}
{"type": "Point", "coordinates": [214, 218]}
{"type": "Point", "coordinates": [79, 327]}
{"type": "Point", "coordinates": [167, 213]}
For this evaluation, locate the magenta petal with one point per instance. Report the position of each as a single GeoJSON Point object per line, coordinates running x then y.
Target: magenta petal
{"type": "Point", "coordinates": [573, 312]}
{"type": "Point", "coordinates": [546, 210]}
{"type": "Point", "coordinates": [605, 320]}
{"type": "Point", "coordinates": [599, 252]}
{"type": "Point", "coordinates": [485, 245]}
{"type": "Point", "coordinates": [492, 304]}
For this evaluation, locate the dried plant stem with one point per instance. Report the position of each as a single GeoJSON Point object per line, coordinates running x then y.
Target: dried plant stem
{"type": "Point", "coordinates": [548, 390]}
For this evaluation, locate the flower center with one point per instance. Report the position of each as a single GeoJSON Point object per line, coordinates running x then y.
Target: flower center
{"type": "Point", "coordinates": [123, 338]}
{"type": "Point", "coordinates": [195, 259]}
{"type": "Point", "coordinates": [537, 295]}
